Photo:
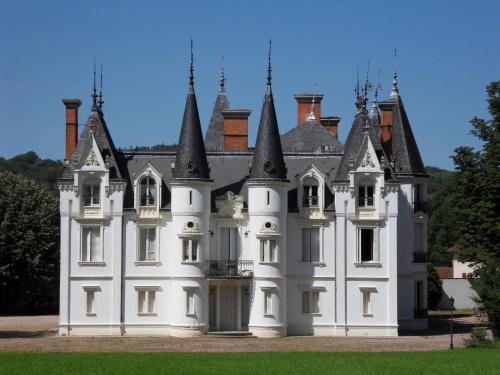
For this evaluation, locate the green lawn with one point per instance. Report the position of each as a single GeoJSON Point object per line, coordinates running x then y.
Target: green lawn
{"type": "Point", "coordinates": [459, 361]}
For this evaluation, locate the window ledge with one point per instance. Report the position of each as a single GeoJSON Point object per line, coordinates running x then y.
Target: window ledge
{"type": "Point", "coordinates": [270, 263]}
{"type": "Point", "coordinates": [368, 315]}
{"type": "Point", "coordinates": [147, 263]}
{"type": "Point", "coordinates": [91, 314]}
{"type": "Point", "coordinates": [95, 264]}
{"type": "Point", "coordinates": [191, 262]}
{"type": "Point", "coordinates": [191, 315]}
{"type": "Point", "coordinates": [311, 314]}
{"type": "Point", "coordinates": [147, 314]}
{"type": "Point", "coordinates": [315, 264]}
{"type": "Point", "coordinates": [368, 264]}
{"type": "Point", "coordinates": [269, 315]}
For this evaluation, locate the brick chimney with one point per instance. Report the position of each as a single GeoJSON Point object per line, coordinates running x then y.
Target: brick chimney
{"type": "Point", "coordinates": [331, 123]}
{"type": "Point", "coordinates": [71, 125]}
{"type": "Point", "coordinates": [386, 111]}
{"type": "Point", "coordinates": [304, 102]}
{"type": "Point", "coordinates": [236, 129]}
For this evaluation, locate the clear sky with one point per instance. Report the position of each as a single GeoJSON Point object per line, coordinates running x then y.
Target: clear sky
{"type": "Point", "coordinates": [448, 52]}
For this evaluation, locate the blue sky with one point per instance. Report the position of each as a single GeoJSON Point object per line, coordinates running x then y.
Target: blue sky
{"type": "Point", "coordinates": [448, 52]}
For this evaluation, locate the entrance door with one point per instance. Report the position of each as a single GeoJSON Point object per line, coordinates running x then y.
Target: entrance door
{"type": "Point", "coordinates": [229, 308]}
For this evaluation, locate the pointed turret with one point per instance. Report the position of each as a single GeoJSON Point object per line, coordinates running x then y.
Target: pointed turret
{"type": "Point", "coordinates": [268, 163]}
{"type": "Point", "coordinates": [214, 140]}
{"type": "Point", "coordinates": [191, 159]}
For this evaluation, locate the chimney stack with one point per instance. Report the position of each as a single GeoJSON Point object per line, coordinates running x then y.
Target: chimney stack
{"type": "Point", "coordinates": [236, 129]}
{"type": "Point", "coordinates": [71, 125]}
{"type": "Point", "coordinates": [386, 121]}
{"type": "Point", "coordinates": [304, 102]}
{"type": "Point", "coordinates": [332, 124]}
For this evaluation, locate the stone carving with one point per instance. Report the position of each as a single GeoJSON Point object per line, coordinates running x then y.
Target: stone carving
{"type": "Point", "coordinates": [367, 160]}
{"type": "Point", "coordinates": [230, 205]}
{"type": "Point", "coordinates": [269, 228]}
{"type": "Point", "coordinates": [92, 159]}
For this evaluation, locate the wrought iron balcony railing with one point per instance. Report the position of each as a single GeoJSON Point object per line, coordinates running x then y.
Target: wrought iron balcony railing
{"type": "Point", "coordinates": [310, 201]}
{"type": "Point", "coordinates": [419, 257]}
{"type": "Point", "coordinates": [420, 313]}
{"type": "Point", "coordinates": [229, 269]}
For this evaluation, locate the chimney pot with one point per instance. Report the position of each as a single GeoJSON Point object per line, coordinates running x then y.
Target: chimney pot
{"type": "Point", "coordinates": [331, 123]}
{"type": "Point", "coordinates": [236, 129]}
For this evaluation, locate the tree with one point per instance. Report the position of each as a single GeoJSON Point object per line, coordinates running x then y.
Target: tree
{"type": "Point", "coordinates": [477, 202]}
{"type": "Point", "coordinates": [434, 287]}
{"type": "Point", "coordinates": [29, 237]}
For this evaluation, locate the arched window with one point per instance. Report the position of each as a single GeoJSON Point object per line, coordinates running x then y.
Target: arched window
{"type": "Point", "coordinates": [92, 192]}
{"type": "Point", "coordinates": [148, 191]}
{"type": "Point", "coordinates": [310, 190]}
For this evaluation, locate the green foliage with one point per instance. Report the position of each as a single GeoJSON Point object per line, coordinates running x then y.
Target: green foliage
{"type": "Point", "coordinates": [434, 287]}
{"type": "Point", "coordinates": [29, 235]}
{"type": "Point", "coordinates": [479, 339]}
{"type": "Point", "coordinates": [46, 171]}
{"type": "Point", "coordinates": [442, 223]}
{"type": "Point", "coordinates": [477, 200]}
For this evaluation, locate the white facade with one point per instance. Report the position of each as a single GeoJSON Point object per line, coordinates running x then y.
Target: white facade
{"type": "Point", "coordinates": [192, 269]}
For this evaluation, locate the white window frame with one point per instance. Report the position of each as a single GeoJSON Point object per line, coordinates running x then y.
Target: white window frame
{"type": "Point", "coordinates": [149, 293]}
{"type": "Point", "coordinates": [269, 303]}
{"type": "Point", "coordinates": [265, 250]}
{"type": "Point", "coordinates": [90, 291]}
{"type": "Point", "coordinates": [366, 198]}
{"type": "Point", "coordinates": [375, 246]}
{"type": "Point", "coordinates": [313, 306]}
{"type": "Point", "coordinates": [367, 301]}
{"type": "Point", "coordinates": [88, 259]}
{"type": "Point", "coordinates": [320, 254]}
{"type": "Point", "coordinates": [155, 195]}
{"type": "Point", "coordinates": [310, 197]}
{"type": "Point", "coordinates": [235, 249]}
{"type": "Point", "coordinates": [98, 184]}
{"type": "Point", "coordinates": [190, 303]}
{"type": "Point", "coordinates": [140, 228]}
{"type": "Point", "coordinates": [190, 249]}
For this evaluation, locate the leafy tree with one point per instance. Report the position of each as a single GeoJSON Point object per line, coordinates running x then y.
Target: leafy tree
{"type": "Point", "coordinates": [477, 201]}
{"type": "Point", "coordinates": [29, 237]}
{"type": "Point", "coordinates": [434, 287]}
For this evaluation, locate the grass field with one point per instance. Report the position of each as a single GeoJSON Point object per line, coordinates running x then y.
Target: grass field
{"type": "Point", "coordinates": [461, 361]}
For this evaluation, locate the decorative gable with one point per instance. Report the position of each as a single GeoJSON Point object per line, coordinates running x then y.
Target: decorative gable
{"type": "Point", "coordinates": [92, 158]}
{"type": "Point", "coordinates": [367, 158]}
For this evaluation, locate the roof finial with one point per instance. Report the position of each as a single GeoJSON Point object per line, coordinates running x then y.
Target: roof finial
{"type": "Point", "coordinates": [312, 116]}
{"type": "Point", "coordinates": [378, 87]}
{"type": "Point", "coordinates": [222, 79]}
{"type": "Point", "coordinates": [357, 91]}
{"type": "Point", "coordinates": [94, 94]}
{"type": "Point", "coordinates": [367, 86]}
{"type": "Point", "coordinates": [269, 78]}
{"type": "Point", "coordinates": [100, 101]}
{"type": "Point", "coordinates": [395, 91]}
{"type": "Point", "coordinates": [191, 75]}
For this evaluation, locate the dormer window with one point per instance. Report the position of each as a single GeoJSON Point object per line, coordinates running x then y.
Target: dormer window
{"type": "Point", "coordinates": [365, 196]}
{"type": "Point", "coordinates": [91, 192]}
{"type": "Point", "coordinates": [310, 197]}
{"type": "Point", "coordinates": [148, 192]}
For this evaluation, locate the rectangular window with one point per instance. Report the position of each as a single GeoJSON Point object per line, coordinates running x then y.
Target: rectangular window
{"type": "Point", "coordinates": [310, 301]}
{"type": "Point", "coordinates": [190, 249]}
{"type": "Point", "coordinates": [147, 244]}
{"type": "Point", "coordinates": [418, 296]}
{"type": "Point", "coordinates": [365, 196]}
{"type": "Point", "coordinates": [91, 245]}
{"type": "Point", "coordinates": [268, 197]}
{"type": "Point", "coordinates": [90, 301]}
{"type": "Point", "coordinates": [91, 193]}
{"type": "Point", "coordinates": [190, 197]}
{"type": "Point", "coordinates": [268, 302]}
{"type": "Point", "coordinates": [310, 245]}
{"type": "Point", "coordinates": [146, 301]}
{"type": "Point", "coordinates": [366, 245]}
{"type": "Point", "coordinates": [229, 243]}
{"type": "Point", "coordinates": [367, 307]}
{"type": "Point", "coordinates": [268, 251]}
{"type": "Point", "coordinates": [189, 302]}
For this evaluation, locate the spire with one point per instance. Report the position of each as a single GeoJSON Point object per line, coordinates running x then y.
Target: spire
{"type": "Point", "coordinates": [222, 79]}
{"type": "Point", "coordinates": [395, 91]}
{"type": "Point", "coordinates": [100, 101]}
{"type": "Point", "coordinates": [94, 93]}
{"type": "Point", "coordinates": [378, 87]}
{"type": "Point", "coordinates": [357, 92]}
{"type": "Point", "coordinates": [267, 162]}
{"type": "Point", "coordinates": [269, 70]}
{"type": "Point", "coordinates": [191, 159]}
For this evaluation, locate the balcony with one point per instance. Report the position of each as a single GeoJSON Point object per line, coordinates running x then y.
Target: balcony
{"type": "Point", "coordinates": [310, 201]}
{"type": "Point", "coordinates": [229, 269]}
{"type": "Point", "coordinates": [419, 257]}
{"type": "Point", "coordinates": [420, 313]}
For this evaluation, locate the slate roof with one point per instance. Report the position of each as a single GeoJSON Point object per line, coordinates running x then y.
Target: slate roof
{"type": "Point", "coordinates": [191, 159]}
{"type": "Point", "coordinates": [97, 125]}
{"type": "Point", "coordinates": [407, 159]}
{"type": "Point", "coordinates": [310, 136]}
{"type": "Point", "coordinates": [214, 139]}
{"type": "Point", "coordinates": [353, 145]}
{"type": "Point", "coordinates": [267, 163]}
